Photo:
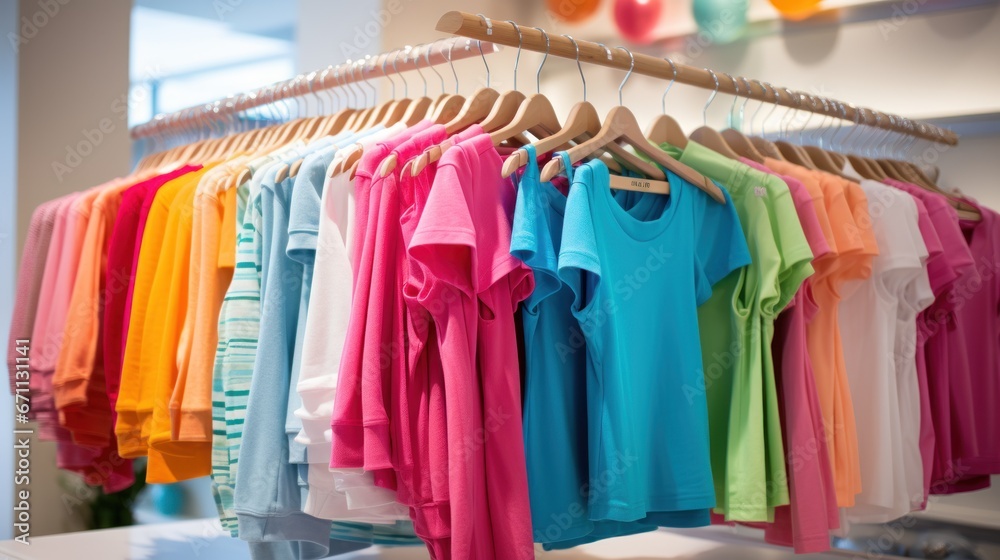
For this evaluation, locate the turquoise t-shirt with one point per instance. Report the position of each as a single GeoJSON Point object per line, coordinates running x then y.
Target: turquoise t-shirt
{"type": "Point", "coordinates": [555, 399]}
{"type": "Point", "coordinates": [637, 283]}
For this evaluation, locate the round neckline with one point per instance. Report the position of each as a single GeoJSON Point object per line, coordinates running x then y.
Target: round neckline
{"type": "Point", "coordinates": [640, 230]}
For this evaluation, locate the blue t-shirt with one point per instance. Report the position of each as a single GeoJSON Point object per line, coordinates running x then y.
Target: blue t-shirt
{"type": "Point", "coordinates": [637, 282]}
{"type": "Point", "coordinates": [555, 400]}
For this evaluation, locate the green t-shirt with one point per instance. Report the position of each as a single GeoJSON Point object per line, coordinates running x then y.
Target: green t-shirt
{"type": "Point", "coordinates": [737, 325]}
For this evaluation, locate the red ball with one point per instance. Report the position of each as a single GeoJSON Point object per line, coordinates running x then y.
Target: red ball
{"type": "Point", "coordinates": [572, 11]}
{"type": "Point", "coordinates": [636, 19]}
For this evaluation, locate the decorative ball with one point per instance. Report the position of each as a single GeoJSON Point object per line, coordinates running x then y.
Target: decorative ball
{"type": "Point", "coordinates": [167, 498]}
{"type": "Point", "coordinates": [572, 11]}
{"type": "Point", "coordinates": [722, 21]}
{"type": "Point", "coordinates": [796, 9]}
{"type": "Point", "coordinates": [636, 19]}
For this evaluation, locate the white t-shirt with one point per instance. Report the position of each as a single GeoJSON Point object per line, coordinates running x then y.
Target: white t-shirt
{"type": "Point", "coordinates": [869, 317]}
{"type": "Point", "coordinates": [341, 494]}
{"type": "Point", "coordinates": [914, 298]}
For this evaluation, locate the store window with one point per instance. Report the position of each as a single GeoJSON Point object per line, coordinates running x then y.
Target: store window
{"type": "Point", "coordinates": [190, 52]}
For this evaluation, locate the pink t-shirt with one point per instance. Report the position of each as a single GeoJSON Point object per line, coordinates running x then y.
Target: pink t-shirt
{"type": "Point", "coordinates": [359, 381]}
{"type": "Point", "coordinates": [949, 379]}
{"type": "Point", "coordinates": [100, 467]}
{"type": "Point", "coordinates": [423, 361]}
{"type": "Point", "coordinates": [391, 267]}
{"type": "Point", "coordinates": [472, 286]}
{"type": "Point", "coordinates": [981, 317]}
{"type": "Point", "coordinates": [926, 438]}
{"type": "Point", "coordinates": [29, 286]}
{"type": "Point", "coordinates": [812, 512]}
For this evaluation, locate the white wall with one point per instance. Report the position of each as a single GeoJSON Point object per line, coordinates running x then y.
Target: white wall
{"type": "Point", "coordinates": [332, 32]}
{"type": "Point", "coordinates": [73, 73]}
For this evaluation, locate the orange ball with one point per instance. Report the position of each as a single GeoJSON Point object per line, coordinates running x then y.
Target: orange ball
{"type": "Point", "coordinates": [796, 9]}
{"type": "Point", "coordinates": [572, 11]}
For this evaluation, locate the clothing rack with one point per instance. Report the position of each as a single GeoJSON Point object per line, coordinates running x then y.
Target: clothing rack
{"type": "Point", "coordinates": [442, 51]}
{"type": "Point", "coordinates": [498, 31]}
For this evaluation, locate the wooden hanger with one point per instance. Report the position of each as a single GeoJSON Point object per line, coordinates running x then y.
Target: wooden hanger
{"type": "Point", "coordinates": [819, 156]}
{"type": "Point", "coordinates": [665, 129]}
{"type": "Point", "coordinates": [582, 123]}
{"type": "Point", "coordinates": [448, 106]}
{"type": "Point", "coordinates": [535, 114]}
{"type": "Point", "coordinates": [421, 107]}
{"type": "Point", "coordinates": [620, 125]}
{"type": "Point", "coordinates": [327, 126]}
{"type": "Point", "coordinates": [709, 137]}
{"type": "Point", "coordinates": [478, 105]}
{"type": "Point", "coordinates": [735, 139]}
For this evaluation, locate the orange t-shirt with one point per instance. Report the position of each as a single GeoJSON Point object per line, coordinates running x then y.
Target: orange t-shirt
{"type": "Point", "coordinates": [164, 348]}
{"type": "Point", "coordinates": [191, 401]}
{"type": "Point", "coordinates": [852, 244]}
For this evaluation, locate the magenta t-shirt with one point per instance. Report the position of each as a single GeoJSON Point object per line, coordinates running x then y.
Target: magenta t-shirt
{"type": "Point", "coordinates": [949, 377]}
{"type": "Point", "coordinates": [471, 287]}
{"type": "Point", "coordinates": [125, 238]}
{"type": "Point", "coordinates": [981, 317]}
{"type": "Point", "coordinates": [812, 510]}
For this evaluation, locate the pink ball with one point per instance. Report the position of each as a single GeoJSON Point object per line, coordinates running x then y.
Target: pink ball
{"type": "Point", "coordinates": [636, 19]}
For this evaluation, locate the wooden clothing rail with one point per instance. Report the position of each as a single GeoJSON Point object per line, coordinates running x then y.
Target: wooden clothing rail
{"type": "Point", "coordinates": [498, 31]}
{"type": "Point", "coordinates": [442, 51]}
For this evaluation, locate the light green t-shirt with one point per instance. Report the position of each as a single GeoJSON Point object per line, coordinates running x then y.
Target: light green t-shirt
{"type": "Point", "coordinates": [737, 325]}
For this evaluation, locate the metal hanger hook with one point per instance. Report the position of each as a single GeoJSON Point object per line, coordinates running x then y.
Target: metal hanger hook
{"type": "Point", "coordinates": [736, 97]}
{"type": "Point", "coordinates": [538, 73]}
{"type": "Point", "coordinates": [451, 63]}
{"type": "Point", "coordinates": [578, 65]}
{"type": "Point", "coordinates": [704, 111]}
{"type": "Point", "coordinates": [789, 116]}
{"type": "Point", "coordinates": [367, 65]}
{"type": "Point", "coordinates": [427, 59]}
{"type": "Point", "coordinates": [631, 66]}
{"type": "Point", "coordinates": [416, 65]}
{"type": "Point", "coordinates": [517, 58]}
{"type": "Point", "coordinates": [406, 86]}
{"type": "Point", "coordinates": [753, 117]}
{"type": "Point", "coordinates": [385, 59]}
{"type": "Point", "coordinates": [663, 99]}
{"type": "Point", "coordinates": [489, 31]}
{"type": "Point", "coordinates": [483, 56]}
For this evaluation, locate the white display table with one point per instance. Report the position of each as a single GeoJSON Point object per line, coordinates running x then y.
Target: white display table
{"type": "Point", "coordinates": [197, 539]}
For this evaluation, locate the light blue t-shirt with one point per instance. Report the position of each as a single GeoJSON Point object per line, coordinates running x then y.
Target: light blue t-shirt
{"type": "Point", "coordinates": [637, 282]}
{"type": "Point", "coordinates": [267, 494]}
